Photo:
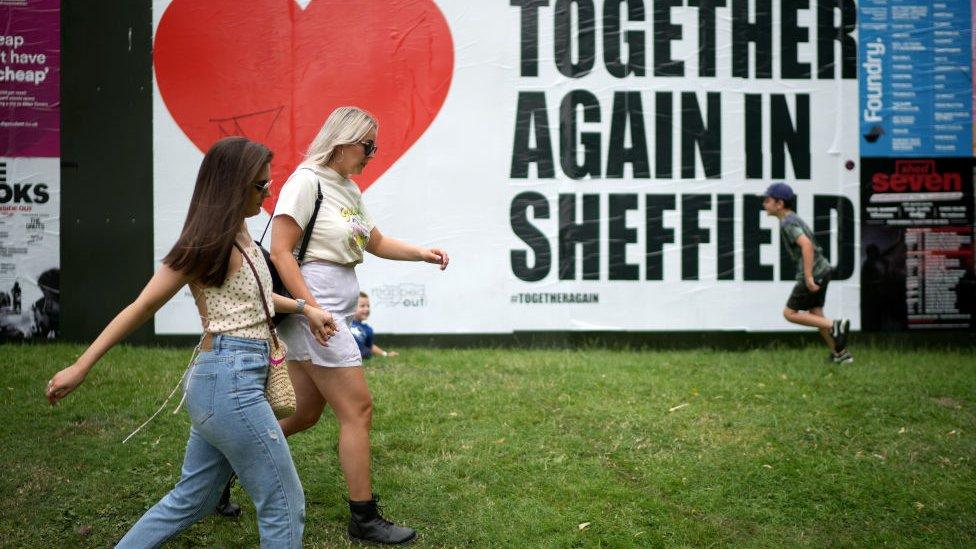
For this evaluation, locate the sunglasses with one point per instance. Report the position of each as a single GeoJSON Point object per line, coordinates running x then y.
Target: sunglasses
{"type": "Point", "coordinates": [263, 186]}
{"type": "Point", "coordinates": [369, 147]}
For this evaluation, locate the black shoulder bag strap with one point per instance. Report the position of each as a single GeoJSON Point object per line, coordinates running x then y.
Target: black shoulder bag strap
{"type": "Point", "coordinates": [308, 226]}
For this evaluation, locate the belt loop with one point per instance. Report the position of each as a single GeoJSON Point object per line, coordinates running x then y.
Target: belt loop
{"type": "Point", "coordinates": [216, 342]}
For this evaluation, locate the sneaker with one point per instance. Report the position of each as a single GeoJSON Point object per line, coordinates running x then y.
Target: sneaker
{"type": "Point", "coordinates": [843, 357]}
{"type": "Point", "coordinates": [839, 331]}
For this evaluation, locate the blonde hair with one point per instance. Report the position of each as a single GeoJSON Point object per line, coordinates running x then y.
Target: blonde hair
{"type": "Point", "coordinates": [344, 126]}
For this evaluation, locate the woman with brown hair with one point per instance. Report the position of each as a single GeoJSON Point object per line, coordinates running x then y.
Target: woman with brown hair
{"type": "Point", "coordinates": [232, 427]}
{"type": "Point", "coordinates": [341, 233]}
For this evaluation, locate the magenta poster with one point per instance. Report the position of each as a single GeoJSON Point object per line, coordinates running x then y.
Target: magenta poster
{"type": "Point", "coordinates": [30, 186]}
{"type": "Point", "coordinates": [30, 66]}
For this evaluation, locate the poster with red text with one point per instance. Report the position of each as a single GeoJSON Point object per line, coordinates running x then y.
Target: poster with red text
{"type": "Point", "coordinates": [917, 232]}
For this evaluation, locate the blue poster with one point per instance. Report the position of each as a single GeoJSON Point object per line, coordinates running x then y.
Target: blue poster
{"type": "Point", "coordinates": [915, 78]}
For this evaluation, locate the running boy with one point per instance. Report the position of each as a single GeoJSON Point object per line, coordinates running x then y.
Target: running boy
{"type": "Point", "coordinates": [813, 272]}
{"type": "Point", "coordinates": [363, 333]}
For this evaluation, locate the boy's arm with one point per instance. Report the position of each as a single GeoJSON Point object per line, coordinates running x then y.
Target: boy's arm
{"type": "Point", "coordinates": [380, 352]}
{"type": "Point", "coordinates": [806, 249]}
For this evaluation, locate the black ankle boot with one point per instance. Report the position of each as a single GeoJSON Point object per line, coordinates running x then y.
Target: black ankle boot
{"type": "Point", "coordinates": [226, 507]}
{"type": "Point", "coordinates": [366, 524]}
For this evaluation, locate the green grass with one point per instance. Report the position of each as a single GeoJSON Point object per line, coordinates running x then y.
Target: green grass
{"type": "Point", "coordinates": [516, 448]}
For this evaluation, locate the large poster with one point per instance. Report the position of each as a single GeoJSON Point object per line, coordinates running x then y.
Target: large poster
{"type": "Point", "coordinates": [917, 234]}
{"type": "Point", "coordinates": [916, 123]}
{"type": "Point", "coordinates": [29, 169]}
{"type": "Point", "coordinates": [589, 165]}
{"type": "Point", "coordinates": [916, 82]}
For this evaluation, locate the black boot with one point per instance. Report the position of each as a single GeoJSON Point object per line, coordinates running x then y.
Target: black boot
{"type": "Point", "coordinates": [366, 524]}
{"type": "Point", "coordinates": [226, 507]}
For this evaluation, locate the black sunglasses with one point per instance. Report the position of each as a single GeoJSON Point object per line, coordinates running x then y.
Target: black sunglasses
{"type": "Point", "coordinates": [263, 186]}
{"type": "Point", "coordinates": [369, 147]}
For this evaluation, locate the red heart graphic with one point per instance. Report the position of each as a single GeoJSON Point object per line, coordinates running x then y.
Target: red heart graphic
{"type": "Point", "coordinates": [272, 71]}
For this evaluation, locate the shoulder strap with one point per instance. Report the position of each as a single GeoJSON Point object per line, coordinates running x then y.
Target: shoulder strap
{"type": "Point", "coordinates": [311, 224]}
{"type": "Point", "coordinates": [264, 301]}
{"type": "Point", "coordinates": [308, 226]}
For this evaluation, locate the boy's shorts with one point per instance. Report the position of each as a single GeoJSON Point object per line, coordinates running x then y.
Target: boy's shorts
{"type": "Point", "coordinates": [802, 299]}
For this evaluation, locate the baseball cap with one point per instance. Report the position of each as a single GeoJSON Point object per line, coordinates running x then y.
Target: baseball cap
{"type": "Point", "coordinates": [781, 191]}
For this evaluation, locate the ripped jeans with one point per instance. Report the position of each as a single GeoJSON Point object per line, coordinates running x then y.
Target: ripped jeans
{"type": "Point", "coordinates": [232, 427]}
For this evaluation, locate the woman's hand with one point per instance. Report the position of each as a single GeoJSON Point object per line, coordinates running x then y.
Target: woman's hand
{"type": "Point", "coordinates": [163, 285]}
{"type": "Point", "coordinates": [321, 323]}
{"type": "Point", "coordinates": [436, 256]}
{"type": "Point", "coordinates": [64, 382]}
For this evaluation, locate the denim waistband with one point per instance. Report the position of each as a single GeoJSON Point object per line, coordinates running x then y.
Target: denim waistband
{"type": "Point", "coordinates": [221, 342]}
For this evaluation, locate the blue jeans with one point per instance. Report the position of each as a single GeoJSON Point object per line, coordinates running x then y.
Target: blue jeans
{"type": "Point", "coordinates": [232, 428]}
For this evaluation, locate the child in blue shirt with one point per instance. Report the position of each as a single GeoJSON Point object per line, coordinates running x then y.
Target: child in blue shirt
{"type": "Point", "coordinates": [363, 333]}
{"type": "Point", "coordinates": [813, 272]}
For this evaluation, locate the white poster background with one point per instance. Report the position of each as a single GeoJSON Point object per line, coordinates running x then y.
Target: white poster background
{"type": "Point", "coordinates": [30, 245]}
{"type": "Point", "coordinates": [452, 190]}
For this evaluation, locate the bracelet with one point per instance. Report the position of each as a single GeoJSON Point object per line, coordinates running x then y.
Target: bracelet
{"type": "Point", "coordinates": [386, 353]}
{"type": "Point", "coordinates": [300, 307]}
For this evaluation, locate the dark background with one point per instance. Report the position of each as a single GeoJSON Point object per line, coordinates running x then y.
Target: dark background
{"type": "Point", "coordinates": [106, 163]}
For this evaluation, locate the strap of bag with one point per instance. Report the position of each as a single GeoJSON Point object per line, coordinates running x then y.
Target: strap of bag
{"type": "Point", "coordinates": [186, 373]}
{"type": "Point", "coordinates": [197, 349]}
{"type": "Point", "coordinates": [308, 226]}
{"type": "Point", "coordinates": [264, 301]}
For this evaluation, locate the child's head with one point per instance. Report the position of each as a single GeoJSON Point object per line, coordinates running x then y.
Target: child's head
{"type": "Point", "coordinates": [362, 308]}
{"type": "Point", "coordinates": [778, 198]}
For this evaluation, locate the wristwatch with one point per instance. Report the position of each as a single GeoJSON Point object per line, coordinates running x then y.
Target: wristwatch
{"type": "Point", "coordinates": [300, 306]}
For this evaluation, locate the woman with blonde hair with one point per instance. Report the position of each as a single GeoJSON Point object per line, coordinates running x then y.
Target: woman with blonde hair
{"type": "Point", "coordinates": [342, 230]}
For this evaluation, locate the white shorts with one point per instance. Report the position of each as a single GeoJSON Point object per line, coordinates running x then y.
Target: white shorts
{"type": "Point", "coordinates": [336, 289]}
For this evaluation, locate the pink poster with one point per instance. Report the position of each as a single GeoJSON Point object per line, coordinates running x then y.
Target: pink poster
{"type": "Point", "coordinates": [30, 78]}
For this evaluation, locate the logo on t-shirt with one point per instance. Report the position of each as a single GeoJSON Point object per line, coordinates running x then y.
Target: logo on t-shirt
{"type": "Point", "coordinates": [358, 231]}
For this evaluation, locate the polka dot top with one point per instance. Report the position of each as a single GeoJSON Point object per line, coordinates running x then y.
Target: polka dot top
{"type": "Point", "coordinates": [235, 308]}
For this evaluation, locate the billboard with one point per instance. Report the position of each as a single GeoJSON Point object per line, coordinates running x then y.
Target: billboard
{"type": "Point", "coordinates": [589, 165]}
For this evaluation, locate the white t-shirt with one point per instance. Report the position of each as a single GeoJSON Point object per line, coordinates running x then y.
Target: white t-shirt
{"type": "Point", "coordinates": [343, 225]}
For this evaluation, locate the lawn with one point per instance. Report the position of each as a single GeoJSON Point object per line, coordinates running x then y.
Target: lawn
{"type": "Point", "coordinates": [541, 448]}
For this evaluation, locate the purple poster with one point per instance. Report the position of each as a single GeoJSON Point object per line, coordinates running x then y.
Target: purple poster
{"type": "Point", "coordinates": [30, 186]}
{"type": "Point", "coordinates": [30, 78]}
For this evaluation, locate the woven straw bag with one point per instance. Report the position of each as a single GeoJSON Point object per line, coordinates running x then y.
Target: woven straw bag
{"type": "Point", "coordinates": [278, 388]}
{"type": "Point", "coordinates": [279, 391]}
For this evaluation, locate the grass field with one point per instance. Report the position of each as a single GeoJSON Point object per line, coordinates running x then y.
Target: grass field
{"type": "Point", "coordinates": [541, 448]}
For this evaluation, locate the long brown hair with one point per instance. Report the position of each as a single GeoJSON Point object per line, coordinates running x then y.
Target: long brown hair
{"type": "Point", "coordinates": [220, 199]}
